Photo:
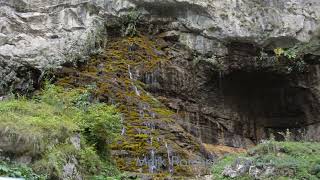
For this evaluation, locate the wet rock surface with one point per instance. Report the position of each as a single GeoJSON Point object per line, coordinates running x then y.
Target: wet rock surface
{"type": "Point", "coordinates": [238, 107]}
{"type": "Point", "coordinates": [151, 143]}
{"type": "Point", "coordinates": [221, 81]}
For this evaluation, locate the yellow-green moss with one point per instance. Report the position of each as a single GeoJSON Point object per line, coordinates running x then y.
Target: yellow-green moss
{"type": "Point", "coordinates": [114, 84]}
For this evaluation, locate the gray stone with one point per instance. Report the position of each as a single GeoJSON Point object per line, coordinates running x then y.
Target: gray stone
{"type": "Point", "coordinates": [240, 167]}
{"type": "Point", "coordinates": [76, 141]}
{"type": "Point", "coordinates": [70, 172]}
{"type": "Point", "coordinates": [255, 172]}
{"type": "Point", "coordinates": [42, 35]}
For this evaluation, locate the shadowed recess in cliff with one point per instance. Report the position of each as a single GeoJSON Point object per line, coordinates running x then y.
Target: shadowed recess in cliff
{"type": "Point", "coordinates": [268, 100]}
{"type": "Point", "coordinates": [173, 9]}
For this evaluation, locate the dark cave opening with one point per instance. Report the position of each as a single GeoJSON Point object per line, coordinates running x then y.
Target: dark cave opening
{"type": "Point", "coordinates": [270, 101]}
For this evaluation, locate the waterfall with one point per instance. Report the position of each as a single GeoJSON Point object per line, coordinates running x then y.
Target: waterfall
{"type": "Point", "coordinates": [137, 73]}
{"type": "Point", "coordinates": [221, 77]}
{"type": "Point", "coordinates": [123, 131]}
{"type": "Point", "coordinates": [136, 90]}
{"type": "Point", "coordinates": [169, 159]}
{"type": "Point", "coordinates": [151, 79]}
{"type": "Point", "coordinates": [130, 73]}
{"type": "Point", "coordinates": [152, 162]}
{"type": "Point", "coordinates": [132, 78]}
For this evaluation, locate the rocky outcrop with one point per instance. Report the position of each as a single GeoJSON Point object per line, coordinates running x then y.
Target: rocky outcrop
{"type": "Point", "coordinates": [227, 91]}
{"type": "Point", "coordinates": [36, 36]}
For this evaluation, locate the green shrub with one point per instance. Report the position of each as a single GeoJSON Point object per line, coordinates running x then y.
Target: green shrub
{"type": "Point", "coordinates": [291, 160]}
{"type": "Point", "coordinates": [100, 124]}
{"type": "Point", "coordinates": [42, 127]}
{"type": "Point", "coordinates": [291, 59]}
{"type": "Point", "coordinates": [16, 171]}
{"type": "Point", "coordinates": [222, 163]}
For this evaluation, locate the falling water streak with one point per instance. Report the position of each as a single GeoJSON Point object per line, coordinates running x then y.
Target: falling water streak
{"type": "Point", "coordinates": [169, 160]}
{"type": "Point", "coordinates": [130, 73]}
{"type": "Point", "coordinates": [153, 115]}
{"type": "Point", "coordinates": [221, 77]}
{"type": "Point", "coordinates": [123, 131]}
{"type": "Point", "coordinates": [137, 73]}
{"type": "Point", "coordinates": [152, 165]}
{"type": "Point", "coordinates": [137, 92]}
{"type": "Point", "coordinates": [148, 79]}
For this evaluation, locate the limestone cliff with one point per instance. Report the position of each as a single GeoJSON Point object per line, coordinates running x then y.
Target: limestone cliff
{"type": "Point", "coordinates": [237, 70]}
{"type": "Point", "coordinates": [40, 35]}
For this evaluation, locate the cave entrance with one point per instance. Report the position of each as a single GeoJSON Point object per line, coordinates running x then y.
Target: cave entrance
{"type": "Point", "coordinates": [269, 101]}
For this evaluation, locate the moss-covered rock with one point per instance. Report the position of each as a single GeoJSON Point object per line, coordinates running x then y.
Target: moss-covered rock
{"type": "Point", "coordinates": [148, 124]}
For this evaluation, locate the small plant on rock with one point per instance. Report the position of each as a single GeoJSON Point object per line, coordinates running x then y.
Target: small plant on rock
{"type": "Point", "coordinates": [129, 23]}
{"type": "Point", "coordinates": [290, 59]}
{"type": "Point", "coordinates": [291, 53]}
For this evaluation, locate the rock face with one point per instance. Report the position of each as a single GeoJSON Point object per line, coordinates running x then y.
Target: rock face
{"type": "Point", "coordinates": [221, 93]}
{"type": "Point", "coordinates": [38, 36]}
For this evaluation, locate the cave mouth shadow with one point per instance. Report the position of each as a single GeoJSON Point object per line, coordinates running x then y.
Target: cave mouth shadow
{"type": "Point", "coordinates": [269, 101]}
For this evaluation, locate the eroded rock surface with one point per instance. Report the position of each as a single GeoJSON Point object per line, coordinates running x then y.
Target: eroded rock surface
{"type": "Point", "coordinates": [39, 35]}
{"type": "Point", "coordinates": [214, 82]}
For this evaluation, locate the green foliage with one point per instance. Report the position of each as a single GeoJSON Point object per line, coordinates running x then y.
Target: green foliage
{"type": "Point", "coordinates": [18, 171]}
{"type": "Point", "coordinates": [278, 52]}
{"type": "Point", "coordinates": [42, 127]}
{"type": "Point", "coordinates": [54, 159]}
{"type": "Point", "coordinates": [129, 23]}
{"type": "Point", "coordinates": [293, 54]}
{"type": "Point", "coordinates": [287, 135]}
{"type": "Point", "coordinates": [290, 53]}
{"type": "Point", "coordinates": [291, 160]}
{"type": "Point", "coordinates": [99, 125]}
{"type": "Point", "coordinates": [222, 163]}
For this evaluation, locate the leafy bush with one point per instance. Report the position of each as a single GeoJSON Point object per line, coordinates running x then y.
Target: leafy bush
{"type": "Point", "coordinates": [99, 126]}
{"type": "Point", "coordinates": [14, 170]}
{"type": "Point", "coordinates": [290, 53]}
{"type": "Point", "coordinates": [291, 59]}
{"type": "Point", "coordinates": [42, 128]}
{"type": "Point", "coordinates": [291, 160]}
